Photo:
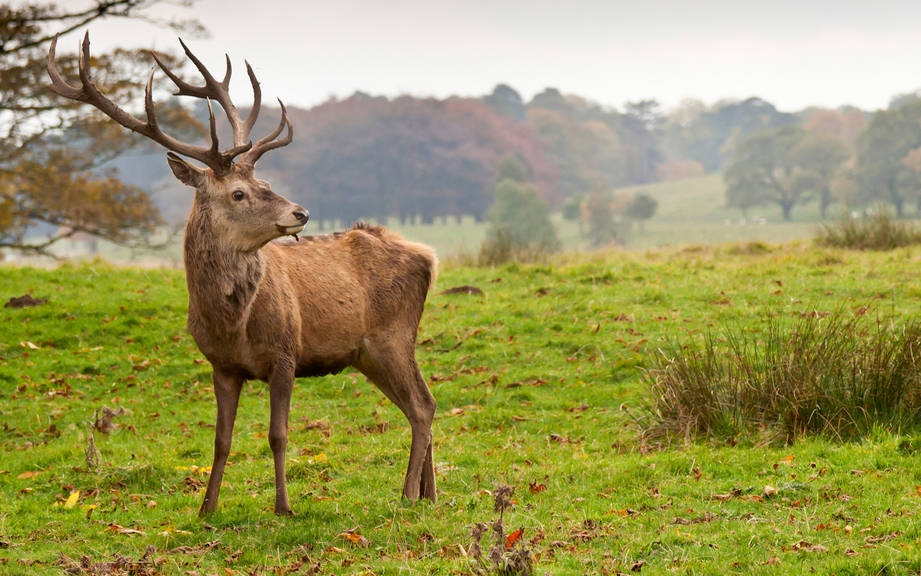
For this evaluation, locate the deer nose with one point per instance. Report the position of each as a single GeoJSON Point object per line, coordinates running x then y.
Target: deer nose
{"type": "Point", "coordinates": [301, 215]}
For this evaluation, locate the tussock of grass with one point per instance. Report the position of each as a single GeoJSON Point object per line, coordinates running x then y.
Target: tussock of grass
{"type": "Point", "coordinates": [502, 247]}
{"type": "Point", "coordinates": [877, 232]}
{"type": "Point", "coordinates": [838, 375]}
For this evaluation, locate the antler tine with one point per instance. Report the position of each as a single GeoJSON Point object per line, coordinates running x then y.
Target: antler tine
{"type": "Point", "coordinates": [257, 100]}
{"type": "Point", "coordinates": [269, 142]}
{"type": "Point", "coordinates": [58, 84]}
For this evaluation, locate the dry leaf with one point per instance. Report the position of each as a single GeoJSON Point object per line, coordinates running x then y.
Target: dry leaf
{"type": "Point", "coordinates": [119, 529]}
{"type": "Point", "coordinates": [355, 538]}
{"type": "Point", "coordinates": [29, 474]}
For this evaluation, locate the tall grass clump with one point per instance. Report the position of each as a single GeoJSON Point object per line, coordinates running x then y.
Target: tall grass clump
{"type": "Point", "coordinates": [879, 231]}
{"type": "Point", "coordinates": [837, 375]}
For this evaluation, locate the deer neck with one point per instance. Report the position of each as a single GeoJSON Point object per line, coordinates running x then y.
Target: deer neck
{"type": "Point", "coordinates": [222, 279]}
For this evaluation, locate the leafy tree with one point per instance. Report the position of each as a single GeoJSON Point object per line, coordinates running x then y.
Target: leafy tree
{"type": "Point", "coordinates": [52, 150]}
{"type": "Point", "coordinates": [821, 157]}
{"type": "Point", "coordinates": [762, 170]}
{"type": "Point", "coordinates": [641, 207]}
{"type": "Point", "coordinates": [785, 166]}
{"type": "Point", "coordinates": [505, 101]}
{"type": "Point", "coordinates": [597, 214]}
{"type": "Point", "coordinates": [640, 128]}
{"type": "Point", "coordinates": [884, 164]}
{"type": "Point", "coordinates": [583, 142]}
{"type": "Point", "coordinates": [520, 225]}
{"type": "Point", "coordinates": [845, 124]}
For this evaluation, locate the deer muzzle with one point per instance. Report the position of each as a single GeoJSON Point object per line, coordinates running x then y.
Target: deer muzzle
{"type": "Point", "coordinates": [296, 223]}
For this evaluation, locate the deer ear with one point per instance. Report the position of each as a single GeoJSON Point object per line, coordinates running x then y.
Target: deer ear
{"type": "Point", "coordinates": [185, 172]}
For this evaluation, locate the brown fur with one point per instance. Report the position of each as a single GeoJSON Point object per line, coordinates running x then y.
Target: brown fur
{"type": "Point", "coordinates": [302, 309]}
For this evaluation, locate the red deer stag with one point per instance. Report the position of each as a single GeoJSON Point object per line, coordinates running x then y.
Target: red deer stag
{"type": "Point", "coordinates": [270, 311]}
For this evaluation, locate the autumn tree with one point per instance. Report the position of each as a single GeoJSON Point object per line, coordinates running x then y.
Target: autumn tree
{"type": "Point", "coordinates": [53, 151]}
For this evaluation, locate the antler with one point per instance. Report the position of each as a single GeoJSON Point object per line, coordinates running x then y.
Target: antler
{"type": "Point", "coordinates": [211, 156]}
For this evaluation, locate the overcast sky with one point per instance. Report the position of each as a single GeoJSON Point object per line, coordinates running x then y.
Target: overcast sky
{"type": "Point", "coordinates": [792, 53]}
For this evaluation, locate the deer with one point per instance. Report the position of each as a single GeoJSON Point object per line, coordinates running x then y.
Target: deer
{"type": "Point", "coordinates": [262, 309]}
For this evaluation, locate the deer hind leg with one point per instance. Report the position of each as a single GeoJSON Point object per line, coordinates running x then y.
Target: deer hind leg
{"type": "Point", "coordinates": [398, 377]}
{"type": "Point", "coordinates": [280, 385]}
{"type": "Point", "coordinates": [227, 391]}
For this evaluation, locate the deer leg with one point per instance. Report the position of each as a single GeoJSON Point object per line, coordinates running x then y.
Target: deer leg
{"type": "Point", "coordinates": [227, 392]}
{"type": "Point", "coordinates": [280, 386]}
{"type": "Point", "coordinates": [398, 377]}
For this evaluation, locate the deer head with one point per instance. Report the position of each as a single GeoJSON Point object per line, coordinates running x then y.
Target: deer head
{"type": "Point", "coordinates": [242, 206]}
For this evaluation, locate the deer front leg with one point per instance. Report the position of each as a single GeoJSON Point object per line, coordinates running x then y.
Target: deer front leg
{"type": "Point", "coordinates": [227, 392]}
{"type": "Point", "coordinates": [280, 385]}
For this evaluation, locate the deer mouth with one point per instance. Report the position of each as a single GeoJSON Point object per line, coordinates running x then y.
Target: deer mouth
{"type": "Point", "coordinates": [290, 230]}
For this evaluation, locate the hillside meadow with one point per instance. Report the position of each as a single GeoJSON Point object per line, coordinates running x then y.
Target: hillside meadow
{"type": "Point", "coordinates": [106, 428]}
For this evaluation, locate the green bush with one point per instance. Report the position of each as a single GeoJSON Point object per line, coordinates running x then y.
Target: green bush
{"type": "Point", "coordinates": [839, 375]}
{"type": "Point", "coordinates": [520, 227]}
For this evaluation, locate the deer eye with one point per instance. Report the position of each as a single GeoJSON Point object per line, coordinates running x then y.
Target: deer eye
{"type": "Point", "coordinates": [238, 195]}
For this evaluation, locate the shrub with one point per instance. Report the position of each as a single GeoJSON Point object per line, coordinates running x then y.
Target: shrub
{"type": "Point", "coordinates": [520, 227]}
{"type": "Point", "coordinates": [837, 375]}
{"type": "Point", "coordinates": [877, 232]}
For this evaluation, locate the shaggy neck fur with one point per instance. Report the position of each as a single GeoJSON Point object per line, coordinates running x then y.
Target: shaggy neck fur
{"type": "Point", "coordinates": [222, 280]}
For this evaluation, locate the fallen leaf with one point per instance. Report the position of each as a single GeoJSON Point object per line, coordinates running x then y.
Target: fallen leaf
{"type": "Point", "coordinates": [804, 546]}
{"type": "Point", "coordinates": [537, 487]}
{"type": "Point", "coordinates": [29, 345]}
{"type": "Point", "coordinates": [29, 474]}
{"type": "Point", "coordinates": [637, 566]}
{"type": "Point", "coordinates": [72, 499]}
{"type": "Point", "coordinates": [355, 538]}
{"type": "Point", "coordinates": [512, 538]}
{"type": "Point", "coordinates": [119, 529]}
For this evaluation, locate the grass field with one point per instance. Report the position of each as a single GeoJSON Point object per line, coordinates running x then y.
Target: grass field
{"type": "Point", "coordinates": [540, 386]}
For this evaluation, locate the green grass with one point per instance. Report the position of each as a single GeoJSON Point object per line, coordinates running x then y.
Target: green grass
{"type": "Point", "coordinates": [540, 386]}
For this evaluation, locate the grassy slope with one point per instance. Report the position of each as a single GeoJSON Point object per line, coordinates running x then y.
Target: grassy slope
{"type": "Point", "coordinates": [690, 212]}
{"type": "Point", "coordinates": [538, 383]}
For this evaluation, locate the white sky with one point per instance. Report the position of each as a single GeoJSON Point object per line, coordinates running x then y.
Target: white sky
{"type": "Point", "coordinates": [791, 53]}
